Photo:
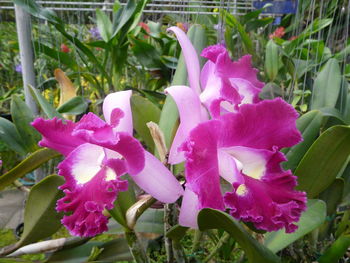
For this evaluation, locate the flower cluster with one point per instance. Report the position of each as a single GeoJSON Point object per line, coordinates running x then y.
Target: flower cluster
{"type": "Point", "coordinates": [229, 140]}
{"type": "Point", "coordinates": [227, 135]}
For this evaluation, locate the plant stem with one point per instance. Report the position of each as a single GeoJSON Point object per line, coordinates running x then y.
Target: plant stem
{"type": "Point", "coordinates": [135, 246]}
{"type": "Point", "coordinates": [168, 223]}
{"type": "Point", "coordinates": [221, 242]}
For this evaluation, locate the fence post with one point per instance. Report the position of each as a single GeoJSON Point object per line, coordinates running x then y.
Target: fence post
{"type": "Point", "coordinates": [24, 27]}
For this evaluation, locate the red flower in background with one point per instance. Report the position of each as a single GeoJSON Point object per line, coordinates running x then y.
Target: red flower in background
{"type": "Point", "coordinates": [279, 32]}
{"type": "Point", "coordinates": [65, 48]}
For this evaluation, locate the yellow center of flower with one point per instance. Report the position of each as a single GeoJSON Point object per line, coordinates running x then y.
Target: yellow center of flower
{"type": "Point", "coordinates": [242, 190]}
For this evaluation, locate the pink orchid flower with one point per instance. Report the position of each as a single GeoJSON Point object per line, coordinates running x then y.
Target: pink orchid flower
{"type": "Point", "coordinates": [240, 144]}
{"type": "Point", "coordinates": [220, 87]}
{"type": "Point", "coordinates": [97, 154]}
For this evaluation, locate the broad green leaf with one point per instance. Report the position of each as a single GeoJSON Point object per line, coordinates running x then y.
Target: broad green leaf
{"type": "Point", "coordinates": [114, 251]}
{"type": "Point", "coordinates": [46, 107]}
{"type": "Point", "coordinates": [324, 160]}
{"type": "Point", "coordinates": [332, 196]}
{"type": "Point", "coordinates": [146, 54]}
{"type": "Point", "coordinates": [22, 116]}
{"type": "Point", "coordinates": [10, 136]}
{"type": "Point", "coordinates": [104, 25]}
{"type": "Point", "coordinates": [41, 219]}
{"type": "Point", "coordinates": [214, 219]}
{"type": "Point", "coordinates": [309, 125]}
{"type": "Point", "coordinates": [79, 254]}
{"type": "Point", "coordinates": [271, 60]}
{"type": "Point", "coordinates": [337, 250]}
{"type": "Point", "coordinates": [28, 165]}
{"type": "Point", "coordinates": [144, 111]}
{"type": "Point", "coordinates": [177, 232]}
{"type": "Point", "coordinates": [313, 217]}
{"type": "Point", "coordinates": [75, 106]}
{"type": "Point", "coordinates": [327, 86]}
{"type": "Point", "coordinates": [168, 122]}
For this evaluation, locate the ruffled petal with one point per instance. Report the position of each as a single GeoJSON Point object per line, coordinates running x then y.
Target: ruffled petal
{"type": "Point", "coordinates": [202, 171]}
{"type": "Point", "coordinates": [265, 125]}
{"type": "Point", "coordinates": [212, 52]}
{"type": "Point", "coordinates": [270, 202]}
{"type": "Point", "coordinates": [158, 181]}
{"type": "Point", "coordinates": [189, 209]}
{"type": "Point", "coordinates": [121, 100]}
{"type": "Point", "coordinates": [241, 69]}
{"type": "Point", "coordinates": [57, 134]}
{"type": "Point", "coordinates": [190, 111]}
{"type": "Point", "coordinates": [95, 131]}
{"type": "Point", "coordinates": [191, 58]}
{"type": "Point", "coordinates": [91, 186]}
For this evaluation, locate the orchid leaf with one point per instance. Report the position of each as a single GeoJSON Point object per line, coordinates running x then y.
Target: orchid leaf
{"type": "Point", "coordinates": [63, 58]}
{"type": "Point", "coordinates": [336, 250]}
{"type": "Point", "coordinates": [333, 195]}
{"type": "Point", "coordinates": [22, 116]}
{"type": "Point", "coordinates": [177, 232]}
{"type": "Point", "coordinates": [104, 25]}
{"type": "Point", "coordinates": [214, 219]}
{"type": "Point", "coordinates": [309, 125]}
{"type": "Point", "coordinates": [28, 165]}
{"type": "Point", "coordinates": [271, 60]}
{"type": "Point", "coordinates": [144, 111]}
{"type": "Point", "coordinates": [313, 217]}
{"type": "Point", "coordinates": [41, 219]}
{"type": "Point", "coordinates": [74, 106]}
{"type": "Point", "coordinates": [10, 136]}
{"type": "Point", "coordinates": [324, 160]}
{"type": "Point", "coordinates": [327, 86]}
{"type": "Point", "coordinates": [232, 21]}
{"type": "Point", "coordinates": [47, 108]}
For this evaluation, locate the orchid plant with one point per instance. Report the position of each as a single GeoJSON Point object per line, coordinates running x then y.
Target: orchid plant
{"type": "Point", "coordinates": [229, 141]}
{"type": "Point", "coordinates": [225, 132]}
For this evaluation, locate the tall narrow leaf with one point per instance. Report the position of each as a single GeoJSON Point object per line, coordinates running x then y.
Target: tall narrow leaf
{"type": "Point", "coordinates": [327, 86]}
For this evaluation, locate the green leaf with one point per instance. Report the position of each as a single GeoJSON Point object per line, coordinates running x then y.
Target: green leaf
{"type": "Point", "coordinates": [324, 160]}
{"type": "Point", "coordinates": [177, 232]}
{"type": "Point", "coordinates": [10, 136]}
{"type": "Point", "coordinates": [115, 250]}
{"type": "Point", "coordinates": [28, 165]}
{"type": "Point", "coordinates": [22, 116]}
{"type": "Point", "coordinates": [104, 25]}
{"type": "Point", "coordinates": [337, 250]}
{"type": "Point", "coordinates": [123, 16]}
{"type": "Point", "coordinates": [144, 111]}
{"type": "Point", "coordinates": [41, 219]}
{"type": "Point", "coordinates": [214, 219]}
{"type": "Point", "coordinates": [232, 21]}
{"type": "Point", "coordinates": [271, 60]}
{"type": "Point", "coordinates": [62, 57]}
{"type": "Point", "coordinates": [75, 106]}
{"type": "Point", "coordinates": [327, 86]}
{"type": "Point", "coordinates": [313, 217]}
{"type": "Point", "coordinates": [309, 125]}
{"type": "Point", "coordinates": [146, 54]}
{"type": "Point", "coordinates": [333, 195]}
{"type": "Point", "coordinates": [47, 108]}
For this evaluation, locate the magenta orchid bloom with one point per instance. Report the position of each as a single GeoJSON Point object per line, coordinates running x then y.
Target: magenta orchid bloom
{"type": "Point", "coordinates": [97, 154]}
{"type": "Point", "coordinates": [243, 149]}
{"type": "Point", "coordinates": [241, 144]}
{"type": "Point", "coordinates": [220, 87]}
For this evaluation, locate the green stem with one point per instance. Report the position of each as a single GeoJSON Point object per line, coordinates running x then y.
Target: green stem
{"type": "Point", "coordinates": [135, 246]}
{"type": "Point", "coordinates": [197, 238]}
{"type": "Point", "coordinates": [169, 223]}
{"type": "Point", "coordinates": [221, 242]}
